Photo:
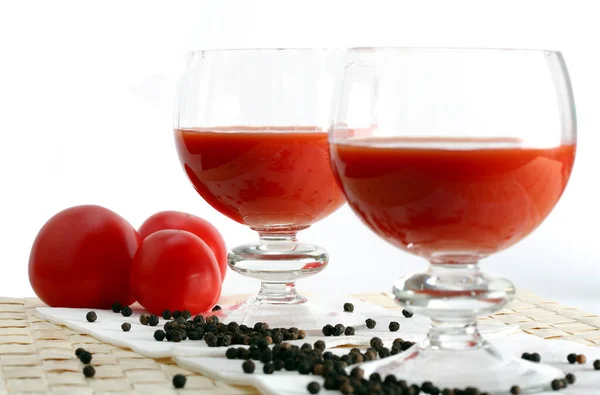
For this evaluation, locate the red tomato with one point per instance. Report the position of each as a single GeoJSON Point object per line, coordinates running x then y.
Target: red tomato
{"type": "Point", "coordinates": [82, 258]}
{"type": "Point", "coordinates": [196, 225]}
{"type": "Point", "coordinates": [175, 270]}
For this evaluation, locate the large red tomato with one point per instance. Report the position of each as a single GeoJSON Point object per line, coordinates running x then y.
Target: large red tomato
{"type": "Point", "coordinates": [82, 258]}
{"type": "Point", "coordinates": [196, 225]}
{"type": "Point", "coordinates": [175, 270]}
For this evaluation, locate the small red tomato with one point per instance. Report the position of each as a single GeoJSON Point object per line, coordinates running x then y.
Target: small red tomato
{"type": "Point", "coordinates": [175, 270]}
{"type": "Point", "coordinates": [82, 258]}
{"type": "Point", "coordinates": [196, 225]}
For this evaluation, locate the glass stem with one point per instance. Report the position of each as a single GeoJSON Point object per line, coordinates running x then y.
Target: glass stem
{"type": "Point", "coordinates": [454, 335]}
{"type": "Point", "coordinates": [283, 292]}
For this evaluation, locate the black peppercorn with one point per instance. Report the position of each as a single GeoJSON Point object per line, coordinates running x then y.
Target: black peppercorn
{"type": "Point", "coordinates": [348, 307]}
{"type": "Point", "coordinates": [231, 353]}
{"type": "Point", "coordinates": [526, 356]}
{"type": "Point", "coordinates": [370, 323]}
{"type": "Point", "coordinates": [350, 331]}
{"type": "Point", "coordinates": [357, 372]}
{"type": "Point", "coordinates": [319, 345]}
{"type": "Point", "coordinates": [159, 335]}
{"type": "Point", "coordinates": [126, 311]}
{"type": "Point", "coordinates": [85, 357]}
{"type": "Point", "coordinates": [394, 326]}
{"type": "Point", "coordinates": [268, 368]}
{"type": "Point", "coordinates": [313, 387]}
{"type": "Point", "coordinates": [327, 330]}
{"type": "Point", "coordinates": [144, 319]}
{"type": "Point", "coordinates": [535, 357]}
{"type": "Point", "coordinates": [376, 343]}
{"type": "Point", "coordinates": [212, 320]}
{"type": "Point", "coordinates": [447, 391]}
{"type": "Point", "coordinates": [89, 371]}
{"type": "Point", "coordinates": [475, 391]}
{"type": "Point", "coordinates": [346, 389]}
{"type": "Point", "coordinates": [570, 378]}
{"type": "Point", "coordinates": [186, 314]}
{"type": "Point", "coordinates": [166, 314]}
{"type": "Point", "coordinates": [126, 326]}
{"type": "Point", "coordinates": [572, 358]}
{"type": "Point", "coordinates": [338, 330]}
{"type": "Point", "coordinates": [289, 364]}
{"type": "Point", "coordinates": [304, 367]}
{"type": "Point", "coordinates": [179, 381]}
{"type": "Point", "coordinates": [216, 308]}
{"type": "Point", "coordinates": [176, 313]}
{"type": "Point", "coordinates": [515, 390]}
{"type": "Point", "coordinates": [116, 307]}
{"type": "Point", "coordinates": [91, 316]}
{"type": "Point", "coordinates": [597, 364]}
{"type": "Point", "coordinates": [79, 351]}
{"type": "Point", "coordinates": [248, 367]}
{"type": "Point", "coordinates": [211, 339]}
{"type": "Point", "coordinates": [278, 364]}
{"type": "Point", "coordinates": [555, 384]}
{"type": "Point", "coordinates": [152, 320]}
{"type": "Point", "coordinates": [407, 313]}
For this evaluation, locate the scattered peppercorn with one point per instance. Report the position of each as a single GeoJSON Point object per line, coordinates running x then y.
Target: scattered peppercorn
{"type": "Point", "coordinates": [89, 371]}
{"type": "Point", "coordinates": [597, 364]}
{"type": "Point", "coordinates": [126, 326]}
{"type": "Point", "coordinates": [338, 330]}
{"type": "Point", "coordinates": [535, 357]}
{"type": "Point", "coordinates": [85, 357]}
{"type": "Point", "coordinates": [91, 316]}
{"type": "Point", "coordinates": [179, 381]}
{"type": "Point", "coordinates": [515, 390]}
{"type": "Point", "coordinates": [144, 319]}
{"type": "Point", "coordinates": [186, 314]}
{"type": "Point", "coordinates": [570, 378]}
{"type": "Point", "coordinates": [248, 366]}
{"type": "Point", "coordinates": [394, 326]}
{"type": "Point", "coordinates": [348, 307]}
{"type": "Point", "coordinates": [153, 320]}
{"type": "Point", "coordinates": [581, 359]}
{"type": "Point", "coordinates": [268, 368]}
{"type": "Point", "coordinates": [313, 387]}
{"type": "Point", "coordinates": [217, 308]}
{"type": "Point", "coordinates": [79, 351]}
{"type": "Point", "coordinates": [116, 307]}
{"type": "Point", "coordinates": [555, 384]}
{"type": "Point", "coordinates": [166, 314]}
{"type": "Point", "coordinates": [350, 331]}
{"type": "Point", "coordinates": [407, 314]}
{"type": "Point", "coordinates": [126, 311]}
{"type": "Point", "coordinates": [159, 335]}
{"type": "Point", "coordinates": [327, 330]}
{"type": "Point", "coordinates": [572, 358]}
{"type": "Point", "coordinates": [526, 356]}
{"type": "Point", "coordinates": [370, 323]}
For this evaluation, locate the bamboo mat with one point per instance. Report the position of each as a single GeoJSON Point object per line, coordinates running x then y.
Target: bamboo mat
{"type": "Point", "coordinates": [37, 357]}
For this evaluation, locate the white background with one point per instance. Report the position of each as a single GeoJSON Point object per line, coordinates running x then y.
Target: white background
{"type": "Point", "coordinates": [86, 97]}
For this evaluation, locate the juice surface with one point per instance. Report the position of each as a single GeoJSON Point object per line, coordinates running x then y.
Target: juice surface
{"type": "Point", "coordinates": [451, 197]}
{"type": "Point", "coordinates": [276, 177]}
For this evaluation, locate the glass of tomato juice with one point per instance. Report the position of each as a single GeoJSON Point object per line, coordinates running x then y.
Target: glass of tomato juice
{"type": "Point", "coordinates": [250, 131]}
{"type": "Point", "coordinates": [454, 155]}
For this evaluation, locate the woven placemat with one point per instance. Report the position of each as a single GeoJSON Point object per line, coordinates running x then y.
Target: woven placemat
{"type": "Point", "coordinates": [38, 357]}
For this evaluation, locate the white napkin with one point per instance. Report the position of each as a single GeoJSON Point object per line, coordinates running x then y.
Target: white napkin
{"type": "Point", "coordinates": [553, 352]}
{"type": "Point", "coordinates": [107, 328]}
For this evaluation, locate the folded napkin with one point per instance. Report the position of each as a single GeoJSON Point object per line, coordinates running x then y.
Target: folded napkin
{"type": "Point", "coordinates": [107, 328]}
{"type": "Point", "coordinates": [553, 352]}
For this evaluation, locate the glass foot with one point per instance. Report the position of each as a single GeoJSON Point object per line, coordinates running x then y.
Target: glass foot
{"type": "Point", "coordinates": [484, 368]}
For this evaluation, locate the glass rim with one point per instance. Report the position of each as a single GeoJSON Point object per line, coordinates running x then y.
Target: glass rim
{"type": "Point", "coordinates": [454, 49]}
{"type": "Point", "coordinates": [375, 48]}
{"type": "Point", "coordinates": [266, 49]}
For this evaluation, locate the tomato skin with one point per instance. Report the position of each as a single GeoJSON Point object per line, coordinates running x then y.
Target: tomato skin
{"type": "Point", "coordinates": [196, 225]}
{"type": "Point", "coordinates": [82, 257]}
{"type": "Point", "coordinates": [175, 270]}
